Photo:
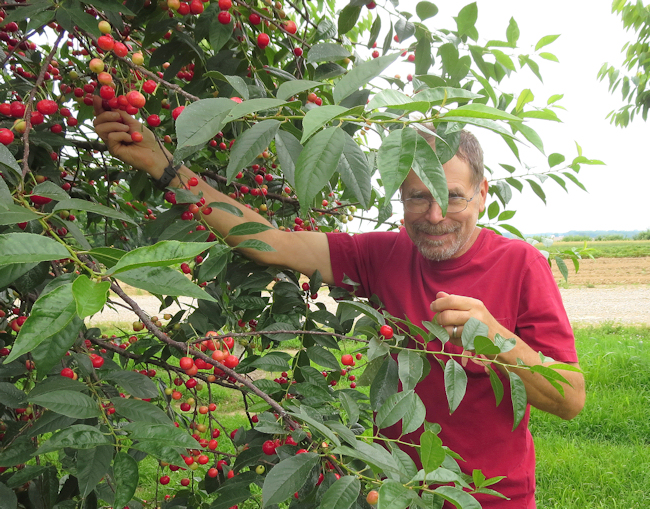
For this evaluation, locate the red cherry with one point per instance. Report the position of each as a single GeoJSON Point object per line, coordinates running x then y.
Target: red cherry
{"type": "Point", "coordinates": [39, 200]}
{"type": "Point", "coordinates": [120, 49]}
{"type": "Point", "coordinates": [225, 5]}
{"type": "Point", "coordinates": [268, 447]}
{"type": "Point", "coordinates": [17, 109]}
{"type": "Point", "coordinates": [375, 54]}
{"type": "Point", "coordinates": [67, 372]}
{"type": "Point", "coordinates": [153, 120]}
{"type": "Point", "coordinates": [196, 7]}
{"type": "Point", "coordinates": [254, 19]}
{"type": "Point", "coordinates": [263, 40]}
{"type": "Point", "coordinates": [290, 26]}
{"type": "Point", "coordinates": [149, 86]}
{"type": "Point", "coordinates": [185, 482]}
{"type": "Point", "coordinates": [224, 17]}
{"type": "Point", "coordinates": [97, 360]}
{"type": "Point", "coordinates": [165, 479]}
{"type": "Point", "coordinates": [386, 331]}
{"type": "Point", "coordinates": [347, 360]}
{"type": "Point", "coordinates": [193, 182]}
{"type": "Point", "coordinates": [411, 58]}
{"type": "Point", "coordinates": [6, 136]}
{"type": "Point", "coordinates": [183, 9]}
{"type": "Point", "coordinates": [297, 52]}
{"type": "Point", "coordinates": [47, 107]}
{"type": "Point", "coordinates": [106, 42]}
{"type": "Point", "coordinates": [136, 99]}
{"type": "Point", "coordinates": [136, 136]}
{"type": "Point", "coordinates": [186, 362]}
{"type": "Point", "coordinates": [177, 111]}
{"type": "Point", "coordinates": [106, 92]}
{"type": "Point", "coordinates": [231, 361]}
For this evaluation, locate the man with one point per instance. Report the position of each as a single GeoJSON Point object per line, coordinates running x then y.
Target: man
{"type": "Point", "coordinates": [442, 266]}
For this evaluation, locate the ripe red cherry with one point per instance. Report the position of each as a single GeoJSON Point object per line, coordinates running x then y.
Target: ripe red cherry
{"type": "Point", "coordinates": [136, 136]}
{"type": "Point", "coordinates": [186, 362]}
{"type": "Point", "coordinates": [183, 8]}
{"type": "Point", "coordinates": [136, 99]}
{"type": "Point", "coordinates": [47, 107]}
{"type": "Point", "coordinates": [290, 26]}
{"type": "Point", "coordinates": [347, 360]}
{"type": "Point", "coordinates": [386, 331]}
{"type": "Point", "coordinates": [177, 111]}
{"type": "Point", "coordinates": [6, 136]}
{"type": "Point", "coordinates": [375, 54]}
{"type": "Point", "coordinates": [185, 482]}
{"type": "Point", "coordinates": [193, 182]}
{"type": "Point", "coordinates": [149, 86]}
{"type": "Point", "coordinates": [106, 92]}
{"type": "Point", "coordinates": [373, 497]}
{"type": "Point", "coordinates": [231, 361]}
{"type": "Point", "coordinates": [39, 200]}
{"type": "Point", "coordinates": [263, 40]}
{"type": "Point", "coordinates": [153, 120]}
{"type": "Point", "coordinates": [213, 472]}
{"type": "Point", "coordinates": [196, 7]}
{"type": "Point", "coordinates": [268, 447]}
{"type": "Point", "coordinates": [225, 5]}
{"type": "Point", "coordinates": [120, 49]}
{"type": "Point", "coordinates": [297, 52]}
{"type": "Point", "coordinates": [67, 372]}
{"type": "Point", "coordinates": [17, 109]}
{"type": "Point", "coordinates": [411, 58]}
{"type": "Point", "coordinates": [106, 42]}
{"type": "Point", "coordinates": [97, 360]}
{"type": "Point", "coordinates": [254, 19]}
{"type": "Point", "coordinates": [224, 17]}
{"type": "Point", "coordinates": [165, 479]}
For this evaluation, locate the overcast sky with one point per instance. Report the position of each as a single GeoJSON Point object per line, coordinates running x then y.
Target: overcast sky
{"type": "Point", "coordinates": [590, 36]}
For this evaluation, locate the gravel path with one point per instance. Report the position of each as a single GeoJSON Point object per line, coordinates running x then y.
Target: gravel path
{"type": "Point", "coordinates": [585, 306]}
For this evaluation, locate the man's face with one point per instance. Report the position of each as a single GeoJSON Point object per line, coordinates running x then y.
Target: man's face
{"type": "Point", "coordinates": [437, 237]}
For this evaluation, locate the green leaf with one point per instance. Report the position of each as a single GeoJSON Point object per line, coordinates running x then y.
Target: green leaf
{"type": "Point", "coordinates": [250, 145]}
{"type": "Point", "coordinates": [322, 357]}
{"type": "Point", "coordinates": [10, 396]}
{"type": "Point", "coordinates": [50, 422]}
{"type": "Point", "coordinates": [471, 329]}
{"type": "Point", "coordinates": [92, 466]}
{"type": "Point", "coordinates": [252, 106]}
{"type": "Point", "coordinates": [326, 52]}
{"type": "Point", "coordinates": [466, 20]}
{"type": "Point", "coordinates": [70, 403]}
{"type": "Point", "coordinates": [367, 310]}
{"type": "Point", "coordinates": [77, 204]}
{"type": "Point", "coordinates": [426, 10]}
{"type": "Point", "coordinates": [214, 264]}
{"type": "Point", "coordinates": [29, 248]}
{"type": "Point", "coordinates": [427, 167]}
{"type": "Point", "coordinates": [348, 18]}
{"type": "Point", "coordinates": [47, 354]}
{"type": "Point", "coordinates": [272, 361]}
{"type": "Point", "coordinates": [164, 434]}
{"type": "Point", "coordinates": [78, 436]}
{"type": "Point", "coordinates": [455, 384]}
{"type": "Point", "coordinates": [361, 75]}
{"type": "Point", "coordinates": [250, 228]}
{"type": "Point", "coordinates": [288, 150]}
{"type": "Point", "coordinates": [445, 95]}
{"type": "Point", "coordinates": [164, 281]}
{"type": "Point", "coordinates": [52, 313]}
{"type": "Point", "coordinates": [26, 474]}
{"type": "Point", "coordinates": [220, 34]}
{"type": "Point", "coordinates": [125, 471]}
{"type": "Point", "coordinates": [423, 58]}
{"type": "Point", "coordinates": [317, 426]}
{"type": "Point", "coordinates": [255, 244]}
{"type": "Point", "coordinates": [138, 410]}
{"type": "Point", "coordinates": [512, 33]}
{"type": "Point", "coordinates": [415, 415]}
{"type": "Point", "coordinates": [202, 120]}
{"type": "Point", "coordinates": [318, 117]}
{"type": "Point", "coordinates": [478, 110]}
{"type": "Point", "coordinates": [532, 136]}
{"type": "Point", "coordinates": [519, 398]}
{"type": "Point", "coordinates": [166, 252]}
{"type": "Point", "coordinates": [7, 160]}
{"type": "Point", "coordinates": [394, 495]}
{"type": "Point", "coordinates": [291, 88]}
{"type": "Point", "coordinates": [236, 82]}
{"type": "Point", "coordinates": [8, 498]}
{"type": "Point", "coordinates": [90, 296]}
{"type": "Point", "coordinates": [393, 409]}
{"type": "Point", "coordinates": [226, 207]}
{"type": "Point", "coordinates": [16, 452]}
{"type": "Point", "coordinates": [287, 477]}
{"type": "Point", "coordinates": [384, 384]}
{"type": "Point", "coordinates": [389, 98]}
{"type": "Point", "coordinates": [108, 256]}
{"type": "Point", "coordinates": [355, 171]}
{"type": "Point", "coordinates": [12, 214]}
{"type": "Point", "coordinates": [411, 367]}
{"type": "Point", "coordinates": [483, 346]}
{"type": "Point", "coordinates": [547, 39]}
{"type": "Point", "coordinates": [395, 158]}
{"type": "Point", "coordinates": [350, 406]}
{"type": "Point", "coordinates": [134, 383]}
{"type": "Point", "coordinates": [51, 190]}
{"type": "Point", "coordinates": [404, 29]}
{"type": "Point", "coordinates": [317, 163]}
{"type": "Point", "coordinates": [342, 494]}
{"type": "Point", "coordinates": [375, 29]}
{"type": "Point", "coordinates": [432, 453]}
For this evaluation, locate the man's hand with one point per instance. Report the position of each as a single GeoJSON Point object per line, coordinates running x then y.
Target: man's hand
{"type": "Point", "coordinates": [115, 128]}
{"type": "Point", "coordinates": [453, 311]}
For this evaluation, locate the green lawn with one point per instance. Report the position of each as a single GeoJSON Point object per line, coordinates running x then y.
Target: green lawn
{"type": "Point", "coordinates": [600, 459]}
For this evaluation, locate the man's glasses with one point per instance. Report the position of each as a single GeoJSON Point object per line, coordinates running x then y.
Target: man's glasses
{"type": "Point", "coordinates": [421, 205]}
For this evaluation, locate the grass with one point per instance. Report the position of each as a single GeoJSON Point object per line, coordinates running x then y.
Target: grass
{"type": "Point", "coordinates": [600, 459]}
{"type": "Point", "coordinates": [608, 249]}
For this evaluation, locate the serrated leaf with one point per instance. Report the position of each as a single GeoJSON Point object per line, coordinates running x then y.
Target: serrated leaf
{"type": "Point", "coordinates": [519, 398]}
{"type": "Point", "coordinates": [138, 410]}
{"type": "Point", "coordinates": [214, 264]}
{"type": "Point", "coordinates": [134, 383]}
{"type": "Point", "coordinates": [236, 82]}
{"type": "Point", "coordinates": [317, 163]}
{"type": "Point", "coordinates": [96, 208]}
{"type": "Point", "coordinates": [7, 160]}
{"type": "Point", "coordinates": [322, 357]}
{"type": "Point", "coordinates": [411, 367]}
{"type": "Point", "coordinates": [163, 281]}
{"type": "Point", "coordinates": [161, 254]}
{"type": "Point", "coordinates": [92, 465]}
{"type": "Point", "coordinates": [70, 403]}
{"type": "Point", "coordinates": [478, 110]}
{"type": "Point", "coordinates": [455, 384]}
{"type": "Point", "coordinates": [29, 248]}
{"type": "Point", "coordinates": [52, 313]}
{"type": "Point", "coordinates": [250, 145]}
{"type": "Point", "coordinates": [348, 18]}
{"type": "Point", "coordinates": [394, 495]}
{"type": "Point", "coordinates": [125, 472]}
{"type": "Point", "coordinates": [288, 150]}
{"type": "Point", "coordinates": [426, 10]}
{"type": "Point", "coordinates": [50, 190]}
{"type": "Point", "coordinates": [287, 477]}
{"type": "Point", "coordinates": [317, 117]}
{"type": "Point", "coordinates": [252, 106]}
{"type": "Point", "coordinates": [249, 228]}
{"type": "Point", "coordinates": [350, 406]}
{"type": "Point", "coordinates": [168, 435]}
{"type": "Point", "coordinates": [395, 158]}
{"type": "Point", "coordinates": [78, 436]}
{"type": "Point", "coordinates": [342, 494]}
{"type": "Point", "coordinates": [90, 296]}
{"type": "Point", "coordinates": [10, 396]}
{"type": "Point", "coordinates": [12, 214]}
{"type": "Point", "coordinates": [361, 75]}
{"type": "Point", "coordinates": [384, 384]}
{"type": "Point", "coordinates": [428, 168]}
{"type": "Point", "coordinates": [544, 41]}
{"type": "Point", "coordinates": [226, 207]}
{"type": "Point", "coordinates": [404, 29]}
{"type": "Point", "coordinates": [355, 171]}
{"type": "Point", "coordinates": [255, 244]}
{"type": "Point", "coordinates": [471, 329]}
{"type": "Point", "coordinates": [432, 453]}
{"type": "Point", "coordinates": [414, 416]}
{"type": "Point", "coordinates": [326, 52]}
{"type": "Point", "coordinates": [200, 121]}
{"type": "Point", "coordinates": [393, 409]}
{"type": "Point", "coordinates": [291, 88]}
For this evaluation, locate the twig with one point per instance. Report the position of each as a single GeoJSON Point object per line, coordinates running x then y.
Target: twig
{"type": "Point", "coordinates": [270, 332]}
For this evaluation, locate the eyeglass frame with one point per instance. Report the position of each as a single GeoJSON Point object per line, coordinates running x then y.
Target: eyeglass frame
{"type": "Point", "coordinates": [432, 201]}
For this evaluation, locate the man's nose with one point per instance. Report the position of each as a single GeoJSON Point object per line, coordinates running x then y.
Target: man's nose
{"type": "Point", "coordinates": [434, 214]}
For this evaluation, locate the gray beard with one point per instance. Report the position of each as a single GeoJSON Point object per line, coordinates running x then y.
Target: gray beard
{"type": "Point", "coordinates": [431, 249]}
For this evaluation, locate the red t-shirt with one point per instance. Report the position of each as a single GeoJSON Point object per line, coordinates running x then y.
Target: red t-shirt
{"type": "Point", "coordinates": [514, 281]}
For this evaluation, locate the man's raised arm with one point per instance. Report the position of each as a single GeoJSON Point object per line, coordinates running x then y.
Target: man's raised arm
{"type": "Point", "coordinates": [305, 251]}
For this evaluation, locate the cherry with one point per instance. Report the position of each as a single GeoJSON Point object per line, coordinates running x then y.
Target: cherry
{"type": "Point", "coordinates": [347, 360]}
{"type": "Point", "coordinates": [153, 121]}
{"type": "Point", "coordinates": [311, 97]}
{"type": "Point", "coordinates": [6, 136]}
{"type": "Point", "coordinates": [165, 479]}
{"type": "Point", "coordinates": [196, 7]}
{"type": "Point", "coordinates": [373, 497]}
{"type": "Point", "coordinates": [386, 331]}
{"type": "Point", "coordinates": [268, 447]}
{"type": "Point", "coordinates": [120, 49]}
{"type": "Point", "coordinates": [186, 362]}
{"type": "Point", "coordinates": [106, 42]}
{"type": "Point", "coordinates": [97, 360]}
{"type": "Point", "coordinates": [67, 372]}
{"type": "Point", "coordinates": [136, 99]}
{"type": "Point", "coordinates": [254, 19]}
{"type": "Point", "coordinates": [263, 40]}
{"type": "Point", "coordinates": [149, 86]}
{"type": "Point", "coordinates": [224, 17]}
{"type": "Point", "coordinates": [375, 54]}
{"type": "Point", "coordinates": [177, 111]}
{"type": "Point", "coordinates": [225, 5]}
{"type": "Point", "coordinates": [185, 482]}
{"type": "Point", "coordinates": [290, 26]}
{"type": "Point", "coordinates": [213, 472]}
{"type": "Point", "coordinates": [47, 107]}
{"type": "Point", "coordinates": [136, 136]}
{"type": "Point", "coordinates": [297, 52]}
{"type": "Point", "coordinates": [411, 58]}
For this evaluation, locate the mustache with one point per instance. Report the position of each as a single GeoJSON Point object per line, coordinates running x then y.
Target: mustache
{"type": "Point", "coordinates": [431, 229]}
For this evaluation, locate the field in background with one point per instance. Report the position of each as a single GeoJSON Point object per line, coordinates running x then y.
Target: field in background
{"type": "Point", "coordinates": [609, 249]}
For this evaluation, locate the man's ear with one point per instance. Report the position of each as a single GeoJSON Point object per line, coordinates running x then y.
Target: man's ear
{"type": "Point", "coordinates": [483, 191]}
